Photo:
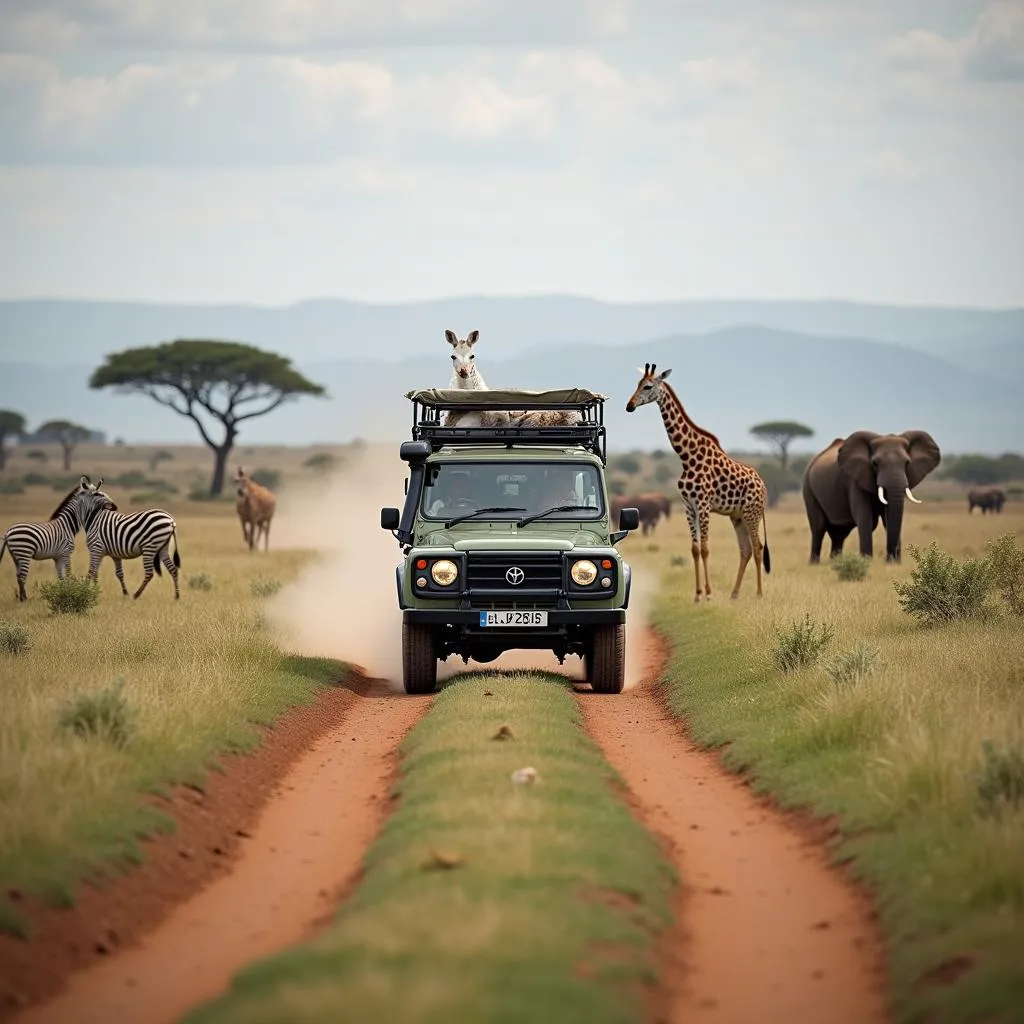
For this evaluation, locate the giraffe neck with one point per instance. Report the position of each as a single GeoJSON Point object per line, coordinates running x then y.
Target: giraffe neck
{"type": "Point", "coordinates": [683, 434]}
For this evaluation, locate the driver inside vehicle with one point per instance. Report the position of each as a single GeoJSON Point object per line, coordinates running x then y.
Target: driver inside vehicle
{"type": "Point", "coordinates": [457, 498]}
{"type": "Point", "coordinates": [559, 488]}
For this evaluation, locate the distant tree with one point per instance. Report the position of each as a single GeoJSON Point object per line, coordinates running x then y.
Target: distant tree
{"type": "Point", "coordinates": [982, 469]}
{"type": "Point", "coordinates": [65, 433]}
{"type": "Point", "coordinates": [663, 472]}
{"type": "Point", "coordinates": [321, 462]}
{"type": "Point", "coordinates": [36, 455]}
{"type": "Point", "coordinates": [780, 434]}
{"type": "Point", "coordinates": [628, 464]}
{"type": "Point", "coordinates": [161, 455]}
{"type": "Point", "coordinates": [226, 381]}
{"type": "Point", "coordinates": [12, 424]}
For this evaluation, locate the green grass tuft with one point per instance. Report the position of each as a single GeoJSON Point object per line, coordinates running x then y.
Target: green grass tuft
{"type": "Point", "coordinates": [73, 595]}
{"type": "Point", "coordinates": [14, 638]}
{"type": "Point", "coordinates": [484, 900]}
{"type": "Point", "coordinates": [851, 566]}
{"type": "Point", "coordinates": [801, 644]}
{"type": "Point", "coordinates": [104, 715]}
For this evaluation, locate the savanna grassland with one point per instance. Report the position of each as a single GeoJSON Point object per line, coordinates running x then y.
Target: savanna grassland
{"type": "Point", "coordinates": [833, 697]}
{"type": "Point", "coordinates": [167, 685]}
{"type": "Point", "coordinates": [826, 691]}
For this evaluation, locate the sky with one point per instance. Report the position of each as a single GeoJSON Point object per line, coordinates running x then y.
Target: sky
{"type": "Point", "coordinates": [268, 151]}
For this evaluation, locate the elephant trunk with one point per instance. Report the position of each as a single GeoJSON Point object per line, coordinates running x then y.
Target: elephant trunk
{"type": "Point", "coordinates": [893, 513]}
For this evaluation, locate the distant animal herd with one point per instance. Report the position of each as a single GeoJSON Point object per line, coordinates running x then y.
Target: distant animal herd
{"type": "Point", "coordinates": [852, 484]}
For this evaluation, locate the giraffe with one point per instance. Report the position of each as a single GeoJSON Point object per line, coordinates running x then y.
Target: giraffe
{"type": "Point", "coordinates": [710, 482]}
{"type": "Point", "coordinates": [466, 377]}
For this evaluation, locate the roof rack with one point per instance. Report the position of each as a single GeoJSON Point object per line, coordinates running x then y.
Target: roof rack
{"type": "Point", "coordinates": [428, 404]}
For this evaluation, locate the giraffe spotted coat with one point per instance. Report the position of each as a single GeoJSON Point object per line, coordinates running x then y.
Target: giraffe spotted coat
{"type": "Point", "coordinates": [709, 481]}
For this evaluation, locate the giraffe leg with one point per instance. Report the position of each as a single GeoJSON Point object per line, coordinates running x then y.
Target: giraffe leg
{"type": "Point", "coordinates": [705, 550]}
{"type": "Point", "coordinates": [746, 549]}
{"type": "Point", "coordinates": [119, 572]}
{"type": "Point", "coordinates": [147, 565]}
{"type": "Point", "coordinates": [691, 518]}
{"type": "Point", "coordinates": [753, 527]}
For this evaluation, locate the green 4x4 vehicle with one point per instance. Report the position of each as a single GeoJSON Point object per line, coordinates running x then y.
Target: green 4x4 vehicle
{"type": "Point", "coordinates": [506, 535]}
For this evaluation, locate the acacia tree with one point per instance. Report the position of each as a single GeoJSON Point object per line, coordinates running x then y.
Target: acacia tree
{"type": "Point", "coordinates": [223, 381]}
{"type": "Point", "coordinates": [11, 425]}
{"type": "Point", "coordinates": [65, 433]}
{"type": "Point", "coordinates": [780, 434]}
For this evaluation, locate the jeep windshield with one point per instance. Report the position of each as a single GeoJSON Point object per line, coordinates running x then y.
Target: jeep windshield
{"type": "Point", "coordinates": [510, 490]}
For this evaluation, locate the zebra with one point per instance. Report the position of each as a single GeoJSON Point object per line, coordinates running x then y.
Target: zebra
{"type": "Point", "coordinates": [129, 535]}
{"type": "Point", "coordinates": [55, 538]}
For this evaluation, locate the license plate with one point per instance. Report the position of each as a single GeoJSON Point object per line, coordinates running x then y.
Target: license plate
{"type": "Point", "coordinates": [514, 618]}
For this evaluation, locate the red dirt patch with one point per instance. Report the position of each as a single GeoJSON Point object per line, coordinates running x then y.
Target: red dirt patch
{"type": "Point", "coordinates": [767, 928]}
{"type": "Point", "coordinates": [215, 829]}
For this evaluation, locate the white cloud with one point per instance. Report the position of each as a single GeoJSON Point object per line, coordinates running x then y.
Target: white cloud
{"type": "Point", "coordinates": [992, 51]}
{"type": "Point", "coordinates": [890, 166]}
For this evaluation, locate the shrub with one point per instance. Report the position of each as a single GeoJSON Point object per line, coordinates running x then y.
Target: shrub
{"type": "Point", "coordinates": [677, 560]}
{"type": "Point", "coordinates": [264, 586]}
{"type": "Point", "coordinates": [1000, 779]}
{"type": "Point", "coordinates": [269, 478]}
{"type": "Point", "coordinates": [64, 482]}
{"type": "Point", "coordinates": [616, 486]}
{"type": "Point", "coordinates": [12, 487]}
{"type": "Point", "coordinates": [34, 479]}
{"type": "Point", "coordinates": [151, 497]}
{"type": "Point", "coordinates": [851, 566]}
{"type": "Point", "coordinates": [36, 455]}
{"type": "Point", "coordinates": [104, 715]}
{"type": "Point", "coordinates": [73, 594]}
{"type": "Point", "coordinates": [201, 492]}
{"type": "Point", "coordinates": [1006, 564]}
{"type": "Point", "coordinates": [801, 644]}
{"type": "Point", "coordinates": [163, 455]}
{"type": "Point", "coordinates": [663, 472]}
{"type": "Point", "coordinates": [941, 589]}
{"type": "Point", "coordinates": [321, 462]}
{"type": "Point", "coordinates": [660, 453]}
{"type": "Point", "coordinates": [854, 665]}
{"type": "Point", "coordinates": [14, 638]}
{"type": "Point", "coordinates": [200, 581]}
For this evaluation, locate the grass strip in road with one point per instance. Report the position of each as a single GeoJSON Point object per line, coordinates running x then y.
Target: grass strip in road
{"type": "Point", "coordinates": [483, 899]}
{"type": "Point", "coordinates": [897, 757]}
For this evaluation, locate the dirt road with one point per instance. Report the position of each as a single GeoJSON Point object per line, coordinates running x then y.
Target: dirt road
{"type": "Point", "coordinates": [305, 850]}
{"type": "Point", "coordinates": [768, 931]}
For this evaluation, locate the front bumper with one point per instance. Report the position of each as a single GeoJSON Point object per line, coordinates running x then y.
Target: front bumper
{"type": "Point", "coordinates": [558, 619]}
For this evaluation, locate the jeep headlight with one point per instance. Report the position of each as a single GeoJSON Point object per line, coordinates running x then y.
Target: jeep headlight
{"type": "Point", "coordinates": [583, 572]}
{"type": "Point", "coordinates": [444, 572]}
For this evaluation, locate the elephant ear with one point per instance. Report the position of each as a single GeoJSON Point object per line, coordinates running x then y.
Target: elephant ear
{"type": "Point", "coordinates": [924, 455]}
{"type": "Point", "coordinates": [855, 458]}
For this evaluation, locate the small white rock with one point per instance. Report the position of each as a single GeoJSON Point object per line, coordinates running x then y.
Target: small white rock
{"type": "Point", "coordinates": [524, 775]}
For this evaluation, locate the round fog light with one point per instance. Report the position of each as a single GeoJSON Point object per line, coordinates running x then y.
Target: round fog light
{"type": "Point", "coordinates": [583, 572]}
{"type": "Point", "coordinates": [606, 582]}
{"type": "Point", "coordinates": [444, 572]}
{"type": "Point", "coordinates": [421, 581]}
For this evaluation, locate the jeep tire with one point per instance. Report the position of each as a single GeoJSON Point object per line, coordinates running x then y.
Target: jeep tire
{"type": "Point", "coordinates": [419, 658]}
{"type": "Point", "coordinates": [606, 658]}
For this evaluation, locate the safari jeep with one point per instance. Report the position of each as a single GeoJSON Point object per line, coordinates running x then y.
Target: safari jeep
{"type": "Point", "coordinates": [506, 536]}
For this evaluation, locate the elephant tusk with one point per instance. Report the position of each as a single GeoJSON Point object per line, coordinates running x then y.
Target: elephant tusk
{"type": "Point", "coordinates": [881, 496]}
{"type": "Point", "coordinates": [910, 495]}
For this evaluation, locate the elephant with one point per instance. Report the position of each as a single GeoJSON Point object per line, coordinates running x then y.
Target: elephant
{"type": "Point", "coordinates": [860, 479]}
{"type": "Point", "coordinates": [988, 499]}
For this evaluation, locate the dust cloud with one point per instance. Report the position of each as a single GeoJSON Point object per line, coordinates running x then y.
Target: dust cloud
{"type": "Point", "coordinates": [344, 604]}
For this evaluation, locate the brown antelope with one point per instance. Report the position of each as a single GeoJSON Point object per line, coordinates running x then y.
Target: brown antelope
{"type": "Point", "coordinates": [255, 505]}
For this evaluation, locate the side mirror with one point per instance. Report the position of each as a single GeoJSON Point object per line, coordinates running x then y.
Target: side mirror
{"type": "Point", "coordinates": [389, 518]}
{"type": "Point", "coordinates": [629, 519]}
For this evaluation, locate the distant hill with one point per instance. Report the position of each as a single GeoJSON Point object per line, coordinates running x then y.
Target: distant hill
{"type": "Point", "coordinates": [63, 332]}
{"type": "Point", "coordinates": [728, 379]}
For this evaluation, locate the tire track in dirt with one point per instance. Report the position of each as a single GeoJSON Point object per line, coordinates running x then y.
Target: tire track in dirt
{"type": "Point", "coordinates": [302, 856]}
{"type": "Point", "coordinates": [767, 930]}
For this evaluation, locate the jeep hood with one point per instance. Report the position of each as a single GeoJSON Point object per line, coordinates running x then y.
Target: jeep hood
{"type": "Point", "coordinates": [521, 540]}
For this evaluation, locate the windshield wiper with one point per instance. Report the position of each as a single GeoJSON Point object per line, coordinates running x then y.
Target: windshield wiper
{"type": "Point", "coordinates": [482, 511]}
{"type": "Point", "coordinates": [557, 508]}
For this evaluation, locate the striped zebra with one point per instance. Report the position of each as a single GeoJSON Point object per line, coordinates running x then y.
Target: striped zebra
{"type": "Point", "coordinates": [55, 538]}
{"type": "Point", "coordinates": [130, 535]}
